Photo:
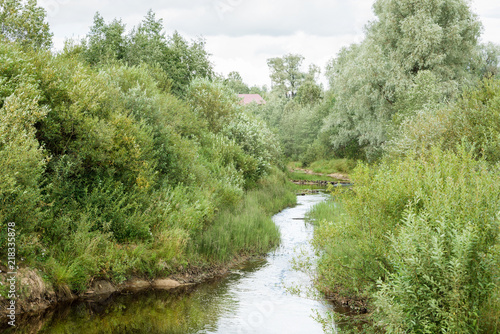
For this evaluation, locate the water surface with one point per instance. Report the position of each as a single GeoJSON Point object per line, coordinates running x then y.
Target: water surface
{"type": "Point", "coordinates": [251, 299]}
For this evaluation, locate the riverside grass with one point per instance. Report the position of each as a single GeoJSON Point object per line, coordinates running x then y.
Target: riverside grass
{"type": "Point", "coordinates": [418, 239]}
{"type": "Point", "coordinates": [248, 228]}
{"type": "Point", "coordinates": [244, 229]}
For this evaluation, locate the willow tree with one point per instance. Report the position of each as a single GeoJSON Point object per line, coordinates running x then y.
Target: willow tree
{"type": "Point", "coordinates": [24, 22]}
{"type": "Point", "coordinates": [374, 80]}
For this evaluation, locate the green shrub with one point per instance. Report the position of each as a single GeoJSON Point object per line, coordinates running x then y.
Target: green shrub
{"type": "Point", "coordinates": [425, 228]}
{"type": "Point", "coordinates": [107, 175]}
{"type": "Point", "coordinates": [474, 119]}
{"type": "Point", "coordinates": [256, 140]}
{"type": "Point", "coordinates": [442, 275]}
{"type": "Point", "coordinates": [22, 159]}
{"type": "Point", "coordinates": [212, 101]}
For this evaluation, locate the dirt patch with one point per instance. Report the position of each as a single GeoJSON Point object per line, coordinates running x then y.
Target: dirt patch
{"type": "Point", "coordinates": [355, 304]}
{"type": "Point", "coordinates": [34, 294]}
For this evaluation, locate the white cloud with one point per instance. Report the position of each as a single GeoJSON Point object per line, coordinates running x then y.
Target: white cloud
{"type": "Point", "coordinates": [491, 30]}
{"type": "Point", "coordinates": [243, 34]}
{"type": "Point", "coordinates": [248, 54]}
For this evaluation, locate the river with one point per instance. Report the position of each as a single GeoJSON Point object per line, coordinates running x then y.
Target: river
{"type": "Point", "coordinates": [251, 299]}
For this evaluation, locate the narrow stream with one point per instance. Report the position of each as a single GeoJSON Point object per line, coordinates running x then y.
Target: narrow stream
{"type": "Point", "coordinates": [252, 299]}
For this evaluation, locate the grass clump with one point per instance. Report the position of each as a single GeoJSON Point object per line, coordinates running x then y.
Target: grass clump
{"type": "Point", "coordinates": [344, 166]}
{"type": "Point", "coordinates": [248, 228]}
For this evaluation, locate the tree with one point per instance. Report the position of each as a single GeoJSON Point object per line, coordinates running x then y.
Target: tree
{"type": "Point", "coordinates": [24, 22]}
{"type": "Point", "coordinates": [371, 78]}
{"type": "Point", "coordinates": [186, 61]}
{"type": "Point", "coordinates": [309, 93]}
{"type": "Point", "coordinates": [180, 60]}
{"type": "Point", "coordinates": [258, 90]}
{"type": "Point", "coordinates": [147, 42]}
{"type": "Point", "coordinates": [286, 75]}
{"type": "Point", "coordinates": [427, 35]}
{"type": "Point", "coordinates": [212, 101]}
{"type": "Point", "coordinates": [235, 82]}
{"type": "Point", "coordinates": [489, 59]}
{"type": "Point", "coordinates": [105, 41]}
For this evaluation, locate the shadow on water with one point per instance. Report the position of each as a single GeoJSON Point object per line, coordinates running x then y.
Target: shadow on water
{"type": "Point", "coordinates": [185, 310]}
{"type": "Point", "coordinates": [251, 299]}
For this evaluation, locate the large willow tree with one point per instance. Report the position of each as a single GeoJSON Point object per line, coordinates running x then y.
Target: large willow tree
{"type": "Point", "coordinates": [424, 44]}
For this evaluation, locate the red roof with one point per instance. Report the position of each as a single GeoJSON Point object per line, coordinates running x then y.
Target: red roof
{"type": "Point", "coordinates": [249, 98]}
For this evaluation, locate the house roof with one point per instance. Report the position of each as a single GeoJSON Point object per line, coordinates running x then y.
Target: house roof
{"type": "Point", "coordinates": [249, 98]}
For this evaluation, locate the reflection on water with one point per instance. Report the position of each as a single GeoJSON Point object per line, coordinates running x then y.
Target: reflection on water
{"type": "Point", "coordinates": [251, 299]}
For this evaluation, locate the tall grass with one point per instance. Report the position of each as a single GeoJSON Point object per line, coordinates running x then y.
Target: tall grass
{"type": "Point", "coordinates": [248, 228]}
{"type": "Point", "coordinates": [333, 166]}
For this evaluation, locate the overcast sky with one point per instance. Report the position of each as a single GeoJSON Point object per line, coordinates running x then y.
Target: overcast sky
{"type": "Point", "coordinates": [242, 34]}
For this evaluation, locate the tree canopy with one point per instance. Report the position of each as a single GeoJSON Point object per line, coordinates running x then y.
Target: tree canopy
{"type": "Point", "coordinates": [372, 78]}
{"type": "Point", "coordinates": [24, 22]}
{"type": "Point", "coordinates": [286, 74]}
{"type": "Point", "coordinates": [180, 60]}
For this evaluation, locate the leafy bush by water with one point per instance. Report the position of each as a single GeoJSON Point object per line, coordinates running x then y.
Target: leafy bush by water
{"type": "Point", "coordinates": [419, 238]}
{"type": "Point", "coordinates": [107, 175]}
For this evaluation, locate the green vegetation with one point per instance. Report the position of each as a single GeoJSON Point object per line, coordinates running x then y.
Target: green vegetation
{"type": "Point", "coordinates": [344, 166]}
{"type": "Point", "coordinates": [113, 165]}
{"type": "Point", "coordinates": [298, 176]}
{"type": "Point", "coordinates": [126, 155]}
{"type": "Point", "coordinates": [248, 228]}
{"type": "Point", "coordinates": [416, 105]}
{"type": "Point", "coordinates": [418, 238]}
{"type": "Point", "coordinates": [177, 60]}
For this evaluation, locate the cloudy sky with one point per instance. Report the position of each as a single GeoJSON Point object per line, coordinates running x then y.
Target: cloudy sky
{"type": "Point", "coordinates": [242, 34]}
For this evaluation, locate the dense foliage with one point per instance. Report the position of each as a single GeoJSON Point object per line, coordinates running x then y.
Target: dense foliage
{"type": "Point", "coordinates": [125, 155]}
{"type": "Point", "coordinates": [108, 174]}
{"type": "Point", "coordinates": [179, 60]}
{"type": "Point", "coordinates": [24, 22]}
{"type": "Point", "coordinates": [416, 239]}
{"type": "Point", "coordinates": [373, 80]}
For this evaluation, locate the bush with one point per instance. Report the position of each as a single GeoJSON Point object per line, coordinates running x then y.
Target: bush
{"type": "Point", "coordinates": [108, 175]}
{"type": "Point", "coordinates": [256, 140]}
{"type": "Point", "coordinates": [212, 101]}
{"type": "Point", "coordinates": [473, 119]}
{"type": "Point", "coordinates": [22, 159]}
{"type": "Point", "coordinates": [443, 275]}
{"type": "Point", "coordinates": [425, 228]}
